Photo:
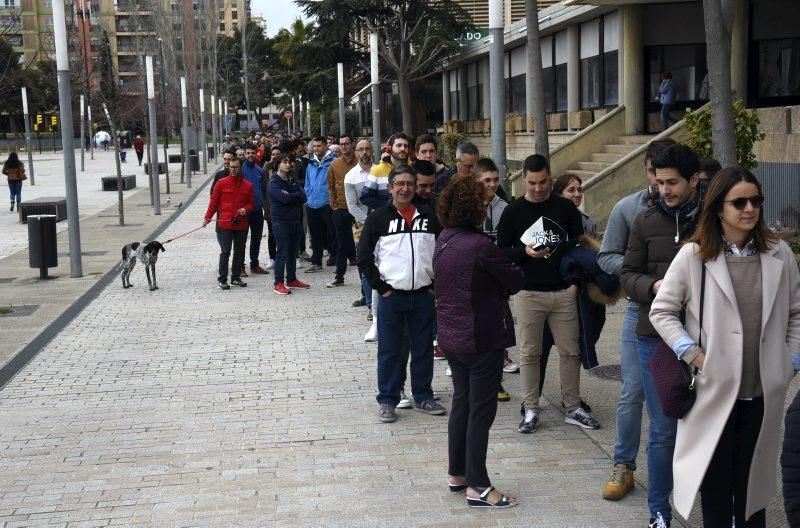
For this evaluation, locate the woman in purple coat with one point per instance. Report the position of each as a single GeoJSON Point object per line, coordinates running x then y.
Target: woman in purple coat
{"type": "Point", "coordinates": [473, 281]}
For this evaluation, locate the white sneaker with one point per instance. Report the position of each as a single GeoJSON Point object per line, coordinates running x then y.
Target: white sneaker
{"type": "Point", "coordinates": [448, 372]}
{"type": "Point", "coordinates": [372, 335]}
{"type": "Point", "coordinates": [405, 402]}
{"type": "Point", "coordinates": [510, 367]}
{"type": "Point", "coordinates": [300, 264]}
{"type": "Point", "coordinates": [270, 264]}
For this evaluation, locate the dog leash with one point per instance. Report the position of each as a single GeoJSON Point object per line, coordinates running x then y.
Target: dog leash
{"type": "Point", "coordinates": [183, 235]}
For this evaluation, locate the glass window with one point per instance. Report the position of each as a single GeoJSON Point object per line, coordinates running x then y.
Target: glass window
{"type": "Point", "coordinates": [561, 88]}
{"type": "Point", "coordinates": [611, 77]}
{"type": "Point", "coordinates": [686, 62]}
{"type": "Point", "coordinates": [549, 89]}
{"type": "Point", "coordinates": [517, 94]}
{"type": "Point", "coordinates": [590, 82]}
{"type": "Point", "coordinates": [779, 68]}
{"type": "Point", "coordinates": [473, 92]}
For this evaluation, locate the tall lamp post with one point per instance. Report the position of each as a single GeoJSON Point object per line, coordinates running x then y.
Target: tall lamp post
{"type": "Point", "coordinates": [221, 128]}
{"type": "Point", "coordinates": [203, 139]}
{"type": "Point", "coordinates": [91, 128]}
{"type": "Point", "coordinates": [340, 71]}
{"type": "Point", "coordinates": [28, 132]}
{"type": "Point", "coordinates": [151, 108]}
{"type": "Point", "coordinates": [163, 96]}
{"type": "Point", "coordinates": [65, 106]}
{"type": "Point", "coordinates": [83, 124]}
{"type": "Point", "coordinates": [376, 102]}
{"type": "Point", "coordinates": [497, 89]}
{"type": "Point", "coordinates": [214, 126]}
{"type": "Point", "coordinates": [185, 109]}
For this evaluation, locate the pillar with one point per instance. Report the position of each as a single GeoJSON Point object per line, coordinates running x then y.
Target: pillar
{"type": "Point", "coordinates": [633, 46]}
{"type": "Point", "coordinates": [446, 117]}
{"type": "Point", "coordinates": [486, 96]}
{"type": "Point", "coordinates": [462, 93]}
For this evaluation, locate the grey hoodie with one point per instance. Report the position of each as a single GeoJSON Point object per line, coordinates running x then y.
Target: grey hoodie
{"type": "Point", "coordinates": [615, 238]}
{"type": "Point", "coordinates": [494, 210]}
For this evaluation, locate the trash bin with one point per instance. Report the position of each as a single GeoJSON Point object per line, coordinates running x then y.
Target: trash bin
{"type": "Point", "coordinates": [211, 153]}
{"type": "Point", "coordinates": [42, 246]}
{"type": "Point", "coordinates": [194, 161]}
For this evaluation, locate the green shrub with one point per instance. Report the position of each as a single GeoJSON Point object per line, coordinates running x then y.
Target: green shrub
{"type": "Point", "coordinates": [747, 133]}
{"type": "Point", "coordinates": [448, 143]}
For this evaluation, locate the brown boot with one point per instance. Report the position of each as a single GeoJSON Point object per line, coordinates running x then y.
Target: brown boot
{"type": "Point", "coordinates": [619, 484]}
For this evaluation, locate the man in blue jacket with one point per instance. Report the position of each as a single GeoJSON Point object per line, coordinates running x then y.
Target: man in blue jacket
{"type": "Point", "coordinates": [255, 175]}
{"type": "Point", "coordinates": [320, 216]}
{"type": "Point", "coordinates": [666, 96]}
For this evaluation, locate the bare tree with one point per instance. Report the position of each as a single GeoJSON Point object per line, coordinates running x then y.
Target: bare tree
{"type": "Point", "coordinates": [535, 83]}
{"type": "Point", "coordinates": [718, 15]}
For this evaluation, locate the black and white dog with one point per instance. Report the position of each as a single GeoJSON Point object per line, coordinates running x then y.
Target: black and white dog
{"type": "Point", "coordinates": [148, 254]}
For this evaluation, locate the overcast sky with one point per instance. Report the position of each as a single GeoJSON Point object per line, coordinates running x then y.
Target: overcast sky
{"type": "Point", "coordinates": [277, 13]}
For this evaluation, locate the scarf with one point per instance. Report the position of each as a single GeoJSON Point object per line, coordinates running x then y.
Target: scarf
{"type": "Point", "coordinates": [686, 215]}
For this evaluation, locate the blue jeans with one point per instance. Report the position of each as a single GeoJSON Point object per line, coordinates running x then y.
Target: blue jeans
{"type": "Point", "coordinates": [415, 309]}
{"type": "Point", "coordinates": [631, 398]}
{"type": "Point", "coordinates": [366, 291]}
{"type": "Point", "coordinates": [15, 187]}
{"type": "Point", "coordinates": [666, 120]}
{"type": "Point", "coordinates": [286, 237]}
{"type": "Point", "coordinates": [661, 437]}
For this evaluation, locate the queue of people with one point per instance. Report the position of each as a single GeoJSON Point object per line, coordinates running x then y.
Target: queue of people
{"type": "Point", "coordinates": [441, 253]}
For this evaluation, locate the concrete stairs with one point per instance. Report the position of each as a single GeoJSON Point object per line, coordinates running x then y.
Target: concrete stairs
{"type": "Point", "coordinates": [612, 152]}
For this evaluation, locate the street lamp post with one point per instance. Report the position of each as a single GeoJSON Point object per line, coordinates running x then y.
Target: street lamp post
{"type": "Point", "coordinates": [308, 117]}
{"type": "Point", "coordinates": [151, 108]}
{"type": "Point", "coordinates": [214, 126]}
{"type": "Point", "coordinates": [340, 71]}
{"type": "Point", "coordinates": [221, 128]}
{"type": "Point", "coordinates": [83, 124]}
{"type": "Point", "coordinates": [186, 161]}
{"type": "Point", "coordinates": [293, 127]}
{"type": "Point", "coordinates": [203, 139]}
{"type": "Point", "coordinates": [376, 105]}
{"type": "Point", "coordinates": [497, 89]}
{"type": "Point", "coordinates": [163, 96]}
{"type": "Point", "coordinates": [227, 126]}
{"type": "Point", "coordinates": [65, 106]}
{"type": "Point", "coordinates": [91, 128]}
{"type": "Point", "coordinates": [28, 144]}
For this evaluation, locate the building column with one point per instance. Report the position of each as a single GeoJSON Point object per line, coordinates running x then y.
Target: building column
{"type": "Point", "coordinates": [486, 96]}
{"type": "Point", "coordinates": [633, 48]}
{"type": "Point", "coordinates": [573, 70]}
{"type": "Point", "coordinates": [446, 117]}
{"type": "Point", "coordinates": [739, 41]}
{"type": "Point", "coordinates": [462, 93]}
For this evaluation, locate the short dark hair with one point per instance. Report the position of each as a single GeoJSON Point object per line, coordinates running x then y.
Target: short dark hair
{"type": "Point", "coordinates": [655, 146]}
{"type": "Point", "coordinates": [678, 157]}
{"type": "Point", "coordinates": [250, 147]}
{"type": "Point", "coordinates": [535, 163]}
{"type": "Point", "coordinates": [278, 160]}
{"type": "Point", "coordinates": [467, 148]}
{"type": "Point", "coordinates": [398, 135]}
{"type": "Point", "coordinates": [275, 147]}
{"type": "Point", "coordinates": [348, 136]}
{"type": "Point", "coordinates": [710, 166]}
{"type": "Point", "coordinates": [424, 167]}
{"type": "Point", "coordinates": [425, 138]}
{"type": "Point", "coordinates": [401, 169]}
{"type": "Point", "coordinates": [287, 146]}
{"type": "Point", "coordinates": [484, 165]}
{"type": "Point", "coordinates": [306, 139]}
{"type": "Point", "coordinates": [461, 203]}
{"type": "Point", "coordinates": [321, 138]}
{"type": "Point", "coordinates": [667, 75]}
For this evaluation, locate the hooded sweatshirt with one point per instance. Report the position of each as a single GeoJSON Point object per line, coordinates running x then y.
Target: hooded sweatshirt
{"type": "Point", "coordinates": [316, 185]}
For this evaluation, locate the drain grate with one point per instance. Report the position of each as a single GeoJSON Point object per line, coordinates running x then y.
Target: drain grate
{"type": "Point", "coordinates": [607, 372]}
{"type": "Point", "coordinates": [22, 310]}
{"type": "Point", "coordinates": [5, 280]}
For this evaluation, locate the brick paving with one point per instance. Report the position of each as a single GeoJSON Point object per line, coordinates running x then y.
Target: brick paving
{"type": "Point", "coordinates": [190, 406]}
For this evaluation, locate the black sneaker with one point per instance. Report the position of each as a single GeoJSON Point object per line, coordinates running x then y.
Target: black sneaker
{"type": "Point", "coordinates": [360, 302]}
{"type": "Point", "coordinates": [223, 285]}
{"type": "Point", "coordinates": [387, 414]}
{"type": "Point", "coordinates": [529, 422]}
{"type": "Point", "coordinates": [581, 418]}
{"type": "Point", "coordinates": [658, 522]}
{"type": "Point", "coordinates": [336, 283]}
{"type": "Point", "coordinates": [430, 407]}
{"type": "Point", "coordinates": [238, 282]}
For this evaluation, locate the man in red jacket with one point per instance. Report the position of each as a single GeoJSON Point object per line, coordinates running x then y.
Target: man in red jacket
{"type": "Point", "coordinates": [232, 200]}
{"type": "Point", "coordinates": [138, 147]}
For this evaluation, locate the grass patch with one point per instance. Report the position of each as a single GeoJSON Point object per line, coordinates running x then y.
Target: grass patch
{"type": "Point", "coordinates": [5, 310]}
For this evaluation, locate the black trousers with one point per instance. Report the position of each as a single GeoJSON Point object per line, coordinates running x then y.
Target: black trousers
{"type": "Point", "coordinates": [256, 220]}
{"type": "Point", "coordinates": [343, 223]}
{"type": "Point", "coordinates": [476, 380]}
{"type": "Point", "coordinates": [723, 491]}
{"type": "Point", "coordinates": [237, 239]}
{"type": "Point", "coordinates": [271, 240]}
{"type": "Point", "coordinates": [323, 235]}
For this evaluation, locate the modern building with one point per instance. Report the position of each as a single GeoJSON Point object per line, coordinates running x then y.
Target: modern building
{"type": "Point", "coordinates": [28, 26]}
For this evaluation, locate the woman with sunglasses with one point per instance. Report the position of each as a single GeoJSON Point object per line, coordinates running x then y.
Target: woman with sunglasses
{"type": "Point", "coordinates": [727, 445]}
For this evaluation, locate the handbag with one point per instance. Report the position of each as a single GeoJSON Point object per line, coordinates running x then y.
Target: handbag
{"type": "Point", "coordinates": [673, 378]}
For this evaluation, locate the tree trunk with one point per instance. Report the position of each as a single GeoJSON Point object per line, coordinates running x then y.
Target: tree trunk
{"type": "Point", "coordinates": [404, 88]}
{"type": "Point", "coordinates": [541, 144]}
{"type": "Point", "coordinates": [718, 46]}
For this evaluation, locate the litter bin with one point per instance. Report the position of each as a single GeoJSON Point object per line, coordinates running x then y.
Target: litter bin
{"type": "Point", "coordinates": [211, 153]}
{"type": "Point", "coordinates": [42, 246]}
{"type": "Point", "coordinates": [194, 162]}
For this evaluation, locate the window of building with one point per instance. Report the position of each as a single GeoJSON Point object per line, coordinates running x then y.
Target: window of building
{"type": "Point", "coordinates": [454, 94]}
{"type": "Point", "coordinates": [473, 92]}
{"type": "Point", "coordinates": [235, 15]}
{"type": "Point", "coordinates": [774, 53]}
{"type": "Point", "coordinates": [599, 69]}
{"type": "Point", "coordinates": [518, 62]}
{"type": "Point", "coordinates": [560, 60]}
{"type": "Point", "coordinates": [686, 63]}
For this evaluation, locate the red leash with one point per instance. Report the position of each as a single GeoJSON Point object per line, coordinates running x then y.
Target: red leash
{"type": "Point", "coordinates": [183, 235]}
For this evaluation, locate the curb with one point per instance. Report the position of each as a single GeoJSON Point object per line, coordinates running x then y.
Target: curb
{"type": "Point", "coordinates": [32, 349]}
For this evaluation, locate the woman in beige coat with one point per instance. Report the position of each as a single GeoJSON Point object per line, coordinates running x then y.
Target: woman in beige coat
{"type": "Point", "coordinates": [727, 445]}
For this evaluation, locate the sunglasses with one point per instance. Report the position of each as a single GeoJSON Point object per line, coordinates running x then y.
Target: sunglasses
{"type": "Point", "coordinates": [740, 203]}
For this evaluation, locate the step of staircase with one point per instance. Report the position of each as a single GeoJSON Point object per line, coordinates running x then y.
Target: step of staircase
{"type": "Point", "coordinates": [585, 175]}
{"type": "Point", "coordinates": [606, 157]}
{"type": "Point", "coordinates": [635, 139]}
{"type": "Point", "coordinates": [625, 148]}
{"type": "Point", "coordinates": [596, 166]}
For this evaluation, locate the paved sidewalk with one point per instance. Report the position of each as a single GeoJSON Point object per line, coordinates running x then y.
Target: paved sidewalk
{"type": "Point", "coordinates": [190, 406]}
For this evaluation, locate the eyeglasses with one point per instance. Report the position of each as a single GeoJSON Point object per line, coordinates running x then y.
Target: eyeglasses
{"type": "Point", "coordinates": [741, 202]}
